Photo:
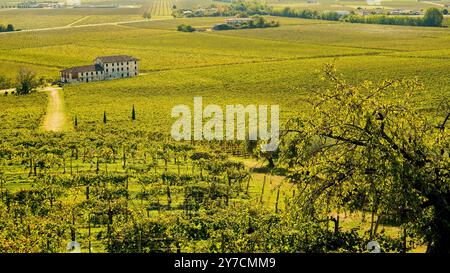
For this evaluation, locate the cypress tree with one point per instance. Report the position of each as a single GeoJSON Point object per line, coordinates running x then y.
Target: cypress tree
{"type": "Point", "coordinates": [133, 114]}
{"type": "Point", "coordinates": [104, 117]}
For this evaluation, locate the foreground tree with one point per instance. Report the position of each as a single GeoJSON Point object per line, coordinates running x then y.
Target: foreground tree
{"type": "Point", "coordinates": [26, 81]}
{"type": "Point", "coordinates": [367, 147]}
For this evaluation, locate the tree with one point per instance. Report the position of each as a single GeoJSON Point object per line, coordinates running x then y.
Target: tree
{"type": "Point", "coordinates": [433, 17]}
{"type": "Point", "coordinates": [26, 81]}
{"type": "Point", "coordinates": [10, 27]}
{"type": "Point", "coordinates": [367, 146]}
{"type": "Point", "coordinates": [259, 21]}
{"type": "Point", "coordinates": [133, 114]}
{"type": "Point", "coordinates": [104, 117]}
{"type": "Point", "coordinates": [75, 123]}
{"type": "Point", "coordinates": [445, 11]}
{"type": "Point", "coordinates": [147, 15]}
{"type": "Point", "coordinates": [185, 28]}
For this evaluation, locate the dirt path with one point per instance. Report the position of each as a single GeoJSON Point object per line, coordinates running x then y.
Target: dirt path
{"type": "Point", "coordinates": [77, 21]}
{"type": "Point", "coordinates": [3, 91]}
{"type": "Point", "coordinates": [55, 119]}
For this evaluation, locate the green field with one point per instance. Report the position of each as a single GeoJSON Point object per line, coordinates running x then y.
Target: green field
{"type": "Point", "coordinates": [253, 66]}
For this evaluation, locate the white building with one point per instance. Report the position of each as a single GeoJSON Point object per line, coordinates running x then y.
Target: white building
{"type": "Point", "coordinates": [73, 2]}
{"type": "Point", "coordinates": [237, 21]}
{"type": "Point", "coordinates": [104, 68]}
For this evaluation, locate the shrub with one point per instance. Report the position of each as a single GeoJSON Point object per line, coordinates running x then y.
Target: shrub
{"type": "Point", "coordinates": [185, 28]}
{"type": "Point", "coordinates": [433, 18]}
{"type": "Point", "coordinates": [222, 27]}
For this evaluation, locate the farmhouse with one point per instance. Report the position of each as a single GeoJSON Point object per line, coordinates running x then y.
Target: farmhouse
{"type": "Point", "coordinates": [104, 68]}
{"type": "Point", "coordinates": [237, 21]}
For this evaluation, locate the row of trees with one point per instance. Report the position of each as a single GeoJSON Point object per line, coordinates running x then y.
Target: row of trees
{"type": "Point", "coordinates": [307, 14]}
{"type": "Point", "coordinates": [433, 17]}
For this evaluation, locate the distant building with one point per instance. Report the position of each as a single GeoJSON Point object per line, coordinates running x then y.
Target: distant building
{"type": "Point", "coordinates": [104, 68]}
{"type": "Point", "coordinates": [378, 11]}
{"type": "Point", "coordinates": [236, 21]}
{"type": "Point", "coordinates": [396, 12]}
{"type": "Point", "coordinates": [34, 4]}
{"type": "Point", "coordinates": [342, 12]}
{"type": "Point", "coordinates": [363, 12]}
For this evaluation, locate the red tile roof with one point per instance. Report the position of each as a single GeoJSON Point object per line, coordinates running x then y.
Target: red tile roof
{"type": "Point", "coordinates": [82, 69]}
{"type": "Point", "coordinates": [117, 59]}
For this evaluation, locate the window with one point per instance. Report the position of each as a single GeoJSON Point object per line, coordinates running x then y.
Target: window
{"type": "Point", "coordinates": [134, 62]}
{"type": "Point", "coordinates": [113, 70]}
{"type": "Point", "coordinates": [106, 69]}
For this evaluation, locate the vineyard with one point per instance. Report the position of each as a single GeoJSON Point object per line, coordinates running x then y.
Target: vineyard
{"type": "Point", "coordinates": [47, 18]}
{"type": "Point", "coordinates": [161, 8]}
{"type": "Point", "coordinates": [114, 183]}
{"type": "Point", "coordinates": [115, 189]}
